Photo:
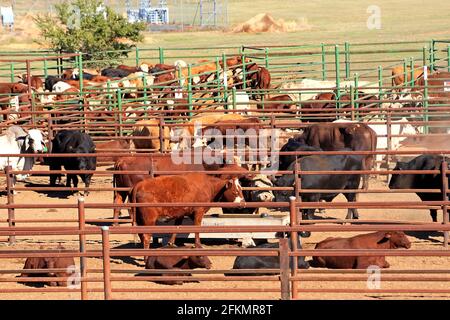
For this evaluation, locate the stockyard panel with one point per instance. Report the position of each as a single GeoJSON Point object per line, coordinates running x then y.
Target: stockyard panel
{"type": "Point", "coordinates": [409, 120]}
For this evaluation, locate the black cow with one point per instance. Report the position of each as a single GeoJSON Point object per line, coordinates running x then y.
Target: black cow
{"type": "Point", "coordinates": [261, 262]}
{"type": "Point", "coordinates": [294, 145]}
{"type": "Point", "coordinates": [50, 81]}
{"type": "Point", "coordinates": [86, 76]}
{"type": "Point", "coordinates": [67, 141]}
{"type": "Point", "coordinates": [323, 181]}
{"type": "Point", "coordinates": [420, 181]}
{"type": "Point", "coordinates": [116, 73]}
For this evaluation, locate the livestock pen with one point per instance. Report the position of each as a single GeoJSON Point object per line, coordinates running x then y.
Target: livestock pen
{"type": "Point", "coordinates": [110, 262]}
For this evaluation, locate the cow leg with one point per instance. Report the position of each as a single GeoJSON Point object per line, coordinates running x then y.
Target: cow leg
{"type": "Point", "coordinates": [54, 177]}
{"type": "Point", "coordinates": [178, 222]}
{"type": "Point", "coordinates": [198, 216]}
{"type": "Point", "coordinates": [118, 199]}
{"type": "Point", "coordinates": [87, 182]}
{"type": "Point", "coordinates": [433, 213]}
{"type": "Point", "coordinates": [307, 214]}
{"type": "Point", "coordinates": [352, 213]}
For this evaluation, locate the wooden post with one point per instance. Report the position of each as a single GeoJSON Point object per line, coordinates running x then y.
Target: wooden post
{"type": "Point", "coordinates": [294, 240]}
{"type": "Point", "coordinates": [284, 269]}
{"type": "Point", "coordinates": [10, 201]}
{"type": "Point", "coordinates": [106, 263]}
{"type": "Point", "coordinates": [82, 238]}
{"type": "Point", "coordinates": [445, 198]}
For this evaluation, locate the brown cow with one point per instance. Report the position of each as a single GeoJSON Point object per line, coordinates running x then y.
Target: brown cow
{"type": "Point", "coordinates": [164, 162]}
{"type": "Point", "coordinates": [176, 262]}
{"type": "Point", "coordinates": [120, 146]}
{"type": "Point", "coordinates": [150, 128]}
{"type": "Point", "coordinates": [281, 102]}
{"type": "Point", "coordinates": [36, 82]}
{"type": "Point", "coordinates": [337, 136]}
{"type": "Point", "coordinates": [398, 74]}
{"type": "Point", "coordinates": [189, 188]}
{"type": "Point", "coordinates": [377, 240]}
{"type": "Point", "coordinates": [67, 263]}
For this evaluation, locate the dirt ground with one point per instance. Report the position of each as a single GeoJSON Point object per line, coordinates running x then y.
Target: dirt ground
{"type": "Point", "coordinates": [420, 240]}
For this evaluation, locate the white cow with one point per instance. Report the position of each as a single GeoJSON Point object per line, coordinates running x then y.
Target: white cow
{"type": "Point", "coordinates": [305, 84]}
{"type": "Point", "coordinates": [17, 141]}
{"type": "Point", "coordinates": [61, 86]}
{"type": "Point", "coordinates": [398, 127]}
{"type": "Point", "coordinates": [242, 102]}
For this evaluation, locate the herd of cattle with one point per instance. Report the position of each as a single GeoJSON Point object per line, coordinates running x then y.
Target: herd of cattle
{"type": "Point", "coordinates": [220, 185]}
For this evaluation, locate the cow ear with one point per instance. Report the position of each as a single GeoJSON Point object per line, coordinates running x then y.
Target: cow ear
{"type": "Point", "coordinates": [385, 238]}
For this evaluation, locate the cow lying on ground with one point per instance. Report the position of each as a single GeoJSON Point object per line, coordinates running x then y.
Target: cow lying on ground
{"type": "Point", "coordinates": [189, 188]}
{"type": "Point", "coordinates": [323, 181]}
{"type": "Point", "coordinates": [67, 141]}
{"type": "Point", "coordinates": [176, 263]}
{"type": "Point", "coordinates": [67, 263]}
{"type": "Point", "coordinates": [420, 181]}
{"type": "Point", "coordinates": [261, 262]}
{"type": "Point", "coordinates": [377, 240]}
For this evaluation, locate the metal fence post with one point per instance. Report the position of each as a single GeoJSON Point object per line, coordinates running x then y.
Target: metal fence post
{"type": "Point", "coordinates": [448, 58]}
{"type": "Point", "coordinates": [137, 57]}
{"type": "Point", "coordinates": [284, 269]}
{"type": "Point", "coordinates": [347, 60]}
{"type": "Point", "coordinates": [424, 55]}
{"type": "Point", "coordinates": [338, 73]}
{"type": "Point", "coordinates": [324, 63]}
{"type": "Point", "coordinates": [106, 263]}
{"type": "Point", "coordinates": [162, 138]}
{"type": "Point", "coordinates": [445, 219]}
{"type": "Point", "coordinates": [82, 238]}
{"type": "Point", "coordinates": [294, 240]}
{"type": "Point", "coordinates": [10, 201]}
{"type": "Point", "coordinates": [425, 99]}
{"type": "Point", "coordinates": [432, 55]}
{"type": "Point", "coordinates": [11, 66]}
{"type": "Point", "coordinates": [411, 71]}
{"type": "Point", "coordinates": [388, 139]}
{"type": "Point", "coordinates": [161, 55]}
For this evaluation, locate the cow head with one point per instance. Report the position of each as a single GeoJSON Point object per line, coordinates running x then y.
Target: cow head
{"type": "Point", "coordinates": [396, 239]}
{"type": "Point", "coordinates": [401, 181]}
{"type": "Point", "coordinates": [199, 261]}
{"type": "Point", "coordinates": [36, 141]}
{"type": "Point", "coordinates": [233, 192]}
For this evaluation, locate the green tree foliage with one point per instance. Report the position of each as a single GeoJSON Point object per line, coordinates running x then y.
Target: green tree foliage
{"type": "Point", "coordinates": [89, 27]}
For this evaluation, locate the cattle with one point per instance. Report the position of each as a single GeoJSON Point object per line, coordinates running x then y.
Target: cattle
{"type": "Point", "coordinates": [39, 263]}
{"type": "Point", "coordinates": [420, 181]}
{"type": "Point", "coordinates": [69, 141]}
{"type": "Point", "coordinates": [187, 262]}
{"type": "Point", "coordinates": [398, 128]}
{"type": "Point", "coordinates": [294, 145]}
{"type": "Point", "coordinates": [323, 181]}
{"type": "Point", "coordinates": [150, 128]}
{"type": "Point", "coordinates": [241, 101]}
{"type": "Point", "coordinates": [377, 240]}
{"type": "Point", "coordinates": [336, 136]}
{"type": "Point", "coordinates": [50, 82]}
{"type": "Point", "coordinates": [265, 262]}
{"type": "Point", "coordinates": [115, 73]}
{"type": "Point", "coordinates": [281, 102]}
{"type": "Point", "coordinates": [232, 128]}
{"type": "Point", "coordinates": [36, 82]}
{"type": "Point", "coordinates": [120, 146]}
{"type": "Point", "coordinates": [17, 141]}
{"type": "Point", "coordinates": [189, 188]}
{"type": "Point", "coordinates": [398, 74]}
{"type": "Point", "coordinates": [150, 165]}
{"type": "Point", "coordinates": [257, 181]}
{"type": "Point", "coordinates": [259, 78]}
